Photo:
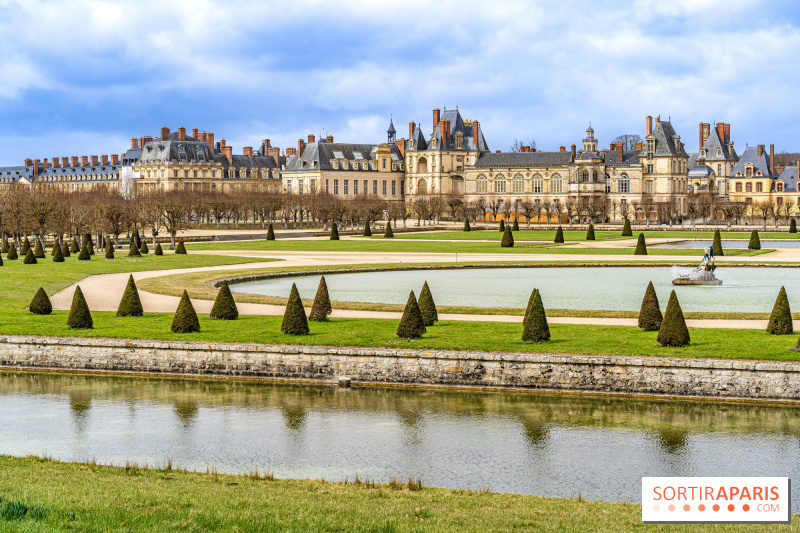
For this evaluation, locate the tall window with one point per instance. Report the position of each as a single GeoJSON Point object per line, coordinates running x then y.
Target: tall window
{"type": "Point", "coordinates": [719, 169]}
{"type": "Point", "coordinates": [759, 187]}
{"type": "Point", "coordinates": [365, 190]}
{"type": "Point", "coordinates": [538, 184]}
{"type": "Point", "coordinates": [556, 184]}
{"type": "Point", "coordinates": [383, 187]}
{"type": "Point", "coordinates": [346, 187]}
{"type": "Point", "coordinates": [336, 187]}
{"type": "Point", "coordinates": [585, 176]}
{"type": "Point", "coordinates": [355, 187]}
{"type": "Point", "coordinates": [519, 184]}
{"type": "Point", "coordinates": [650, 169]}
{"type": "Point", "coordinates": [499, 184]}
{"type": "Point", "coordinates": [482, 184]}
{"type": "Point", "coordinates": [648, 187]}
{"type": "Point", "coordinates": [738, 186]}
{"type": "Point", "coordinates": [375, 187]}
{"type": "Point", "coordinates": [624, 186]}
{"type": "Point", "coordinates": [300, 186]}
{"type": "Point", "coordinates": [748, 187]}
{"type": "Point", "coordinates": [394, 188]}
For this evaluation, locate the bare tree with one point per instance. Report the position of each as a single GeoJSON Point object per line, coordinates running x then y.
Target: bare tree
{"type": "Point", "coordinates": [628, 140]}
{"type": "Point", "coordinates": [518, 144]}
{"type": "Point", "coordinates": [176, 211]}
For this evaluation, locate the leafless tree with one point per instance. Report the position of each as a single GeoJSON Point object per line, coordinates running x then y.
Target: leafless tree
{"type": "Point", "coordinates": [628, 140]}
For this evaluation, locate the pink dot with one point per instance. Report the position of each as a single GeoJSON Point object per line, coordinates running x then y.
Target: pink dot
{"type": "Point", "coordinates": [671, 507]}
{"type": "Point", "coordinates": [731, 507]}
{"type": "Point", "coordinates": [745, 507]}
{"type": "Point", "coordinates": [656, 507]}
{"type": "Point", "coordinates": [701, 507]}
{"type": "Point", "coordinates": [687, 507]}
{"type": "Point", "coordinates": [716, 507]}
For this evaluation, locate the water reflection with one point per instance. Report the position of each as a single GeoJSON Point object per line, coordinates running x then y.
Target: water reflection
{"type": "Point", "coordinates": [543, 444]}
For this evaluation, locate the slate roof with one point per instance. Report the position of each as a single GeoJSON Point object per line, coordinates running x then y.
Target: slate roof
{"type": "Point", "coordinates": [789, 179]}
{"type": "Point", "coordinates": [131, 156]}
{"type": "Point", "coordinates": [524, 159]}
{"type": "Point", "coordinates": [629, 157]}
{"type": "Point", "coordinates": [418, 137]}
{"type": "Point", "coordinates": [701, 171]}
{"type": "Point", "coordinates": [760, 163]}
{"type": "Point", "coordinates": [107, 172]}
{"type": "Point", "coordinates": [665, 141]}
{"type": "Point", "coordinates": [319, 155]}
{"type": "Point", "coordinates": [714, 146]}
{"type": "Point", "coordinates": [456, 125]}
{"type": "Point", "coordinates": [198, 151]}
{"type": "Point", "coordinates": [15, 173]}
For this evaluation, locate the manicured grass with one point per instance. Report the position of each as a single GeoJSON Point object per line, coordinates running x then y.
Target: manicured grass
{"type": "Point", "coordinates": [91, 498]}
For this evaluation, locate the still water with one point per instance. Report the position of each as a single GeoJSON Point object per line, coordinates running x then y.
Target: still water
{"type": "Point", "coordinates": [744, 289]}
{"type": "Point", "coordinates": [551, 445]}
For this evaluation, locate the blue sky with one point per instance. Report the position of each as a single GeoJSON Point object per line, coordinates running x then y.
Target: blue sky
{"type": "Point", "coordinates": [80, 77]}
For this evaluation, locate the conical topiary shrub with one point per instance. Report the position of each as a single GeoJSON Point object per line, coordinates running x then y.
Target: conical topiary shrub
{"type": "Point", "coordinates": [673, 331]}
{"type": "Point", "coordinates": [180, 249]}
{"type": "Point", "coordinates": [294, 318]}
{"type": "Point", "coordinates": [508, 238]}
{"type": "Point", "coordinates": [716, 246]}
{"type": "Point", "coordinates": [109, 250]}
{"type": "Point", "coordinates": [38, 250]}
{"type": "Point", "coordinates": [650, 315]}
{"type": "Point", "coordinates": [40, 305]}
{"type": "Point", "coordinates": [74, 247]}
{"type": "Point", "coordinates": [792, 226]}
{"type": "Point", "coordinates": [158, 250]}
{"type": "Point", "coordinates": [224, 306]}
{"type": "Point", "coordinates": [185, 320]}
{"type": "Point", "coordinates": [427, 306]}
{"type": "Point", "coordinates": [87, 238]}
{"type": "Point", "coordinates": [388, 234]}
{"type": "Point", "coordinates": [755, 242]}
{"type": "Point", "coordinates": [270, 233]}
{"type": "Point", "coordinates": [590, 233]}
{"type": "Point", "coordinates": [626, 229]}
{"type": "Point", "coordinates": [515, 227]}
{"type": "Point", "coordinates": [780, 321]}
{"type": "Point", "coordinates": [79, 315]}
{"type": "Point", "coordinates": [58, 256]}
{"type": "Point", "coordinates": [143, 249]}
{"type": "Point", "coordinates": [535, 328]}
{"type": "Point", "coordinates": [502, 225]}
{"type": "Point", "coordinates": [412, 325]}
{"type": "Point", "coordinates": [641, 247]}
{"type": "Point", "coordinates": [334, 232]}
{"type": "Point", "coordinates": [53, 249]}
{"type": "Point", "coordinates": [322, 303]}
{"type": "Point", "coordinates": [90, 247]}
{"type": "Point", "coordinates": [133, 251]}
{"type": "Point", "coordinates": [367, 232]}
{"type": "Point", "coordinates": [131, 304]}
{"type": "Point", "coordinates": [30, 259]}
{"type": "Point", "coordinates": [84, 255]}
{"type": "Point", "coordinates": [12, 252]}
{"type": "Point", "coordinates": [26, 245]}
{"type": "Point", "coordinates": [65, 249]}
{"type": "Point", "coordinates": [559, 235]}
{"type": "Point", "coordinates": [466, 225]}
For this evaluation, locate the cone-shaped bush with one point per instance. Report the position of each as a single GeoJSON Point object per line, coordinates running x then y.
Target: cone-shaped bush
{"type": "Point", "coordinates": [294, 318]}
{"type": "Point", "coordinates": [388, 234]}
{"type": "Point", "coordinates": [158, 250]}
{"type": "Point", "coordinates": [515, 227]}
{"type": "Point", "coordinates": [74, 247]}
{"type": "Point", "coordinates": [367, 232]}
{"type": "Point", "coordinates": [641, 247]}
{"type": "Point", "coordinates": [322, 303]}
{"type": "Point", "coordinates": [79, 315]}
{"type": "Point", "coordinates": [270, 233]}
{"type": "Point", "coordinates": [30, 259]}
{"type": "Point", "coordinates": [224, 306]}
{"type": "Point", "coordinates": [334, 232]}
{"type": "Point", "coordinates": [590, 233]}
{"type": "Point", "coordinates": [26, 245]}
{"type": "Point", "coordinates": [532, 297]}
{"type": "Point", "coordinates": [508, 238]}
{"type": "Point", "coordinates": [87, 238]}
{"type": "Point", "coordinates": [131, 304]}
{"type": "Point", "coordinates": [716, 246]}
{"type": "Point", "coordinates": [650, 315]}
{"type": "Point", "coordinates": [133, 251]}
{"type": "Point", "coordinates": [143, 249]}
{"type": "Point", "coordinates": [40, 305]}
{"type": "Point", "coordinates": [12, 252]}
{"type": "Point", "coordinates": [673, 331]}
{"type": "Point", "coordinates": [90, 248]}
{"type": "Point", "coordinates": [535, 328]}
{"type": "Point", "coordinates": [502, 225]}
{"type": "Point", "coordinates": [53, 249]}
{"type": "Point", "coordinates": [58, 256]}
{"type": "Point", "coordinates": [626, 229]}
{"type": "Point", "coordinates": [84, 255]}
{"type": "Point", "coordinates": [792, 226]}
{"type": "Point", "coordinates": [412, 325]}
{"type": "Point", "coordinates": [755, 242]}
{"type": "Point", "coordinates": [185, 320]}
{"type": "Point", "coordinates": [109, 250]}
{"type": "Point", "coordinates": [466, 225]}
{"type": "Point", "coordinates": [38, 250]}
{"type": "Point", "coordinates": [427, 306]}
{"type": "Point", "coordinates": [65, 249]}
{"type": "Point", "coordinates": [180, 249]}
{"type": "Point", "coordinates": [559, 235]}
{"type": "Point", "coordinates": [780, 321]}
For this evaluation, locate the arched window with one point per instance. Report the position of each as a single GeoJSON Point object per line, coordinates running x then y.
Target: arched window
{"type": "Point", "coordinates": [538, 183]}
{"type": "Point", "coordinates": [556, 185]}
{"type": "Point", "coordinates": [422, 165]}
{"type": "Point", "coordinates": [519, 184]}
{"type": "Point", "coordinates": [585, 176]}
{"type": "Point", "coordinates": [482, 184]}
{"type": "Point", "coordinates": [624, 184]}
{"type": "Point", "coordinates": [422, 187]}
{"type": "Point", "coordinates": [500, 184]}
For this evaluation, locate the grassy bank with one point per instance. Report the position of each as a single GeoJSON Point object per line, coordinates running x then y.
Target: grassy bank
{"type": "Point", "coordinates": [43, 495]}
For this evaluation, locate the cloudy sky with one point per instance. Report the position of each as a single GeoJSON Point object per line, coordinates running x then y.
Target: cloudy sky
{"type": "Point", "coordinates": [80, 77]}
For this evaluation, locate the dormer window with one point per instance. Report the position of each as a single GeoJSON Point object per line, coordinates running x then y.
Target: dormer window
{"type": "Point", "coordinates": [703, 153]}
{"type": "Point", "coordinates": [459, 140]}
{"type": "Point", "coordinates": [719, 153]}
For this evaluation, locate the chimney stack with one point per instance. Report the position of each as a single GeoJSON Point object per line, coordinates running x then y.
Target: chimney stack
{"type": "Point", "coordinates": [114, 159]}
{"type": "Point", "coordinates": [401, 144]}
{"type": "Point", "coordinates": [760, 150]}
{"type": "Point", "coordinates": [291, 151]}
{"type": "Point", "coordinates": [194, 133]}
{"type": "Point", "coordinates": [201, 136]}
{"type": "Point", "coordinates": [411, 127]}
{"type": "Point", "coordinates": [35, 168]}
{"type": "Point", "coordinates": [658, 119]}
{"type": "Point", "coordinates": [64, 162]}
{"type": "Point", "coordinates": [134, 142]}
{"type": "Point", "coordinates": [228, 153]}
{"type": "Point", "coordinates": [562, 148]}
{"type": "Point", "coordinates": [727, 133]}
{"type": "Point", "coordinates": [700, 141]}
{"type": "Point", "coordinates": [443, 132]}
{"type": "Point", "coordinates": [267, 144]}
{"type": "Point", "coordinates": [772, 159]}
{"type": "Point", "coordinates": [572, 153]}
{"type": "Point", "coordinates": [436, 115]}
{"type": "Point", "coordinates": [639, 145]}
{"type": "Point", "coordinates": [330, 139]}
{"type": "Point", "coordinates": [275, 153]}
{"type": "Point", "coordinates": [476, 133]}
{"type": "Point", "coordinates": [84, 161]}
{"type": "Point", "coordinates": [164, 133]}
{"type": "Point", "coordinates": [311, 138]}
{"type": "Point", "coordinates": [28, 162]}
{"type": "Point", "coordinates": [248, 151]}
{"type": "Point", "coordinates": [74, 160]}
{"type": "Point", "coordinates": [181, 133]}
{"type": "Point", "coordinates": [649, 125]}
{"type": "Point", "coordinates": [223, 143]}
{"type": "Point", "coordinates": [721, 131]}
{"type": "Point", "coordinates": [44, 163]}
{"type": "Point", "coordinates": [301, 145]}
{"type": "Point", "coordinates": [620, 154]}
{"type": "Point", "coordinates": [104, 160]}
{"type": "Point", "coordinates": [94, 160]}
{"type": "Point", "coordinates": [210, 141]}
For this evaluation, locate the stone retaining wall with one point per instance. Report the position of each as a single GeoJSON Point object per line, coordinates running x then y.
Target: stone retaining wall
{"type": "Point", "coordinates": [638, 375]}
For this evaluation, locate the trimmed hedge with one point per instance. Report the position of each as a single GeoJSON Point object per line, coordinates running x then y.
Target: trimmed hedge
{"type": "Point", "coordinates": [30, 259]}
{"type": "Point", "coordinates": [158, 250]}
{"type": "Point", "coordinates": [185, 319]}
{"type": "Point", "coordinates": [40, 305]}
{"type": "Point", "coordinates": [294, 318]}
{"type": "Point", "coordinates": [38, 250]}
{"type": "Point", "coordinates": [367, 232]}
{"type": "Point", "coordinates": [65, 250]}
{"type": "Point", "coordinates": [641, 246]}
{"type": "Point", "coordinates": [508, 238]}
{"type": "Point", "coordinates": [12, 253]}
{"type": "Point", "coordinates": [792, 226]}
{"type": "Point", "coordinates": [133, 251]}
{"type": "Point", "coordinates": [84, 255]}
{"type": "Point", "coordinates": [322, 303]}
{"type": "Point", "coordinates": [334, 232]}
{"type": "Point", "coordinates": [673, 331]}
{"type": "Point", "coordinates": [559, 235]}
{"type": "Point", "coordinates": [466, 225]}
{"type": "Point", "coordinates": [626, 229]}
{"type": "Point", "coordinates": [143, 249]}
{"type": "Point", "coordinates": [650, 316]}
{"type": "Point", "coordinates": [780, 321]}
{"type": "Point", "coordinates": [180, 249]}
{"type": "Point", "coordinates": [58, 256]}
{"type": "Point", "coordinates": [515, 227]}
{"type": "Point", "coordinates": [79, 315]}
{"type": "Point", "coordinates": [26, 245]}
{"type": "Point", "coordinates": [427, 306]}
{"type": "Point", "coordinates": [590, 233]}
{"type": "Point", "coordinates": [716, 246]}
{"type": "Point", "coordinates": [224, 305]}
{"type": "Point", "coordinates": [388, 234]}
{"type": "Point", "coordinates": [535, 328]}
{"type": "Point", "coordinates": [131, 304]}
{"type": "Point", "coordinates": [270, 233]}
{"type": "Point", "coordinates": [412, 325]}
{"type": "Point", "coordinates": [109, 250]}
{"type": "Point", "coordinates": [502, 225]}
{"type": "Point", "coordinates": [74, 247]}
{"type": "Point", "coordinates": [755, 242]}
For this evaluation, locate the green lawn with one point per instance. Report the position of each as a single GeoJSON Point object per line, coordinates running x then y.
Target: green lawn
{"type": "Point", "coordinates": [42, 495]}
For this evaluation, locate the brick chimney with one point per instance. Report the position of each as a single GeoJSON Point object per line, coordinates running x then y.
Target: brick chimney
{"type": "Point", "coordinates": [248, 151]}
{"type": "Point", "coordinates": [164, 133]}
{"type": "Point", "coordinates": [721, 131]}
{"type": "Point", "coordinates": [114, 159]}
{"type": "Point", "coordinates": [436, 114]}
{"type": "Point", "coordinates": [760, 150]}
{"type": "Point", "coordinates": [35, 168]}
{"type": "Point", "coordinates": [64, 162]}
{"type": "Point", "coordinates": [772, 159]}
{"type": "Point", "coordinates": [291, 151]}
{"type": "Point", "coordinates": [201, 136]}
{"type": "Point", "coordinates": [330, 139]}
{"type": "Point", "coordinates": [401, 144]}
{"type": "Point", "coordinates": [648, 124]}
{"type": "Point", "coordinates": [476, 132]}
{"type": "Point", "coordinates": [134, 142]}
{"type": "Point", "coordinates": [44, 163]}
{"type": "Point", "coordinates": [275, 153]}
{"type": "Point", "coordinates": [639, 145]}
{"type": "Point", "coordinates": [223, 143]}
{"type": "Point", "coordinates": [104, 160]}
{"type": "Point", "coordinates": [700, 142]}
{"type": "Point", "coordinates": [181, 133]}
{"type": "Point", "coordinates": [84, 160]}
{"type": "Point", "coordinates": [572, 153]}
{"type": "Point", "coordinates": [227, 151]}
{"type": "Point", "coordinates": [74, 160]}
{"type": "Point", "coordinates": [28, 162]}
{"type": "Point", "coordinates": [194, 133]}
{"type": "Point", "coordinates": [658, 120]}
{"type": "Point", "coordinates": [267, 144]}
{"type": "Point", "coordinates": [301, 145]}
{"type": "Point", "coordinates": [620, 156]}
{"type": "Point", "coordinates": [523, 149]}
{"type": "Point", "coordinates": [411, 127]}
{"type": "Point", "coordinates": [94, 160]}
{"type": "Point", "coordinates": [443, 132]}
{"type": "Point", "coordinates": [727, 133]}
{"type": "Point", "coordinates": [311, 138]}
{"type": "Point", "coordinates": [210, 141]}
{"type": "Point", "coordinates": [562, 148]}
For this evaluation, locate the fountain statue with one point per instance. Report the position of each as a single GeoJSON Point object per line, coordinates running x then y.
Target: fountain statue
{"type": "Point", "coordinates": [702, 275]}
